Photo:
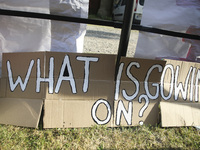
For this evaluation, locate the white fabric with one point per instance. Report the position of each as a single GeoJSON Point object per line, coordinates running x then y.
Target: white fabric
{"type": "Point", "coordinates": [18, 34]}
{"type": "Point", "coordinates": [174, 15]}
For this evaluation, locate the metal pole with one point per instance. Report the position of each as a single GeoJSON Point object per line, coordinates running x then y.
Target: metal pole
{"type": "Point", "coordinates": [125, 32]}
{"type": "Point", "coordinates": [96, 22]}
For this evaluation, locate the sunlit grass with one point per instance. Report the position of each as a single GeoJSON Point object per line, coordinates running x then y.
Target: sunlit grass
{"type": "Point", "coordinates": [99, 137]}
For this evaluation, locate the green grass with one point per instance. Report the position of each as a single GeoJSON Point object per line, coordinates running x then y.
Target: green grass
{"type": "Point", "coordinates": [99, 137]}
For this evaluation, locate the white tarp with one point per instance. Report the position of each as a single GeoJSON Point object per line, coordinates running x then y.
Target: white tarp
{"type": "Point", "coordinates": [174, 15]}
{"type": "Point", "coordinates": [18, 34]}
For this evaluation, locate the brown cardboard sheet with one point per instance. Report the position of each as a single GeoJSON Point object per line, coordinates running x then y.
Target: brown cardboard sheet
{"type": "Point", "coordinates": [20, 112]}
{"type": "Point", "coordinates": [78, 90]}
{"type": "Point", "coordinates": [19, 64]}
{"type": "Point", "coordinates": [175, 114]}
{"type": "Point", "coordinates": [135, 113]}
{"type": "Point", "coordinates": [180, 94]}
{"type": "Point", "coordinates": [77, 113]}
{"type": "Point", "coordinates": [180, 81]}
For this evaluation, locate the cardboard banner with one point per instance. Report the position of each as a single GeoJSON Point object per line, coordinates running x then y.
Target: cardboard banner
{"type": "Point", "coordinates": [79, 90]}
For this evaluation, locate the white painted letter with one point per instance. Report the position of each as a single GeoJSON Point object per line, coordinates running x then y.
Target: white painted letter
{"type": "Point", "coordinates": [117, 85]}
{"type": "Point", "coordinates": [192, 84]}
{"type": "Point", "coordinates": [153, 84]}
{"type": "Point", "coordinates": [179, 86]}
{"type": "Point", "coordinates": [87, 70]}
{"type": "Point", "coordinates": [49, 80]}
{"type": "Point", "coordinates": [94, 109]}
{"type": "Point", "coordinates": [137, 85]}
{"type": "Point", "coordinates": [127, 114]}
{"type": "Point", "coordinates": [70, 78]}
{"type": "Point", "coordinates": [146, 99]}
{"type": "Point", "coordinates": [197, 86]}
{"type": "Point", "coordinates": [19, 80]}
{"type": "Point", "coordinates": [171, 82]}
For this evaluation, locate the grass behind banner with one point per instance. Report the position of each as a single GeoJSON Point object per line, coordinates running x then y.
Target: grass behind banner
{"type": "Point", "coordinates": [99, 137]}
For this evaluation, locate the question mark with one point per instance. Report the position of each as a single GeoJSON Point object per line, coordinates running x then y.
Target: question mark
{"type": "Point", "coordinates": [145, 97]}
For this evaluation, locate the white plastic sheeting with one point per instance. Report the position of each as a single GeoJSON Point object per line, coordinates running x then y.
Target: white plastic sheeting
{"type": "Point", "coordinates": [18, 34]}
{"type": "Point", "coordinates": [174, 15]}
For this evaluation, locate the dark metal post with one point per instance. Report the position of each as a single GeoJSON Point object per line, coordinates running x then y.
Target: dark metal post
{"type": "Point", "coordinates": [125, 32]}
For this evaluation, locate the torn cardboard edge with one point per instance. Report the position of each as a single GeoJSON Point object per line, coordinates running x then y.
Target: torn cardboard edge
{"type": "Point", "coordinates": [87, 95]}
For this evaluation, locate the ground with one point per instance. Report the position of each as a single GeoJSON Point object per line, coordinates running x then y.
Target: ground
{"type": "Point", "coordinates": [105, 40]}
